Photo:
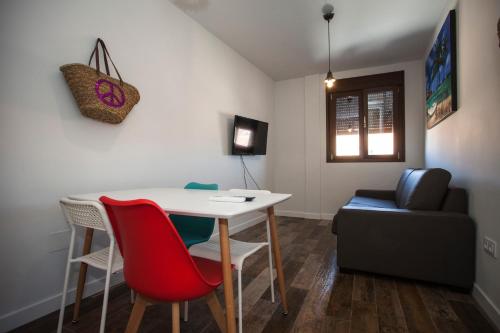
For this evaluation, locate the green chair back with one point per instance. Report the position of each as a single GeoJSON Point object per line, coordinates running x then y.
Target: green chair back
{"type": "Point", "coordinates": [193, 229]}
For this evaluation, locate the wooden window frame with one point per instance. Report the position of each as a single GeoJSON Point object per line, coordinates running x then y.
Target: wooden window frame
{"type": "Point", "coordinates": [361, 86]}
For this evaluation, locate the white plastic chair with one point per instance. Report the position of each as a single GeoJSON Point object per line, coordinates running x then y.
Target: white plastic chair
{"type": "Point", "coordinates": [239, 252]}
{"type": "Point", "coordinates": [92, 215]}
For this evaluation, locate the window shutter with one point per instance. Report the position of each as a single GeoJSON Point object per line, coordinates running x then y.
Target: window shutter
{"type": "Point", "coordinates": [347, 117]}
{"type": "Point", "coordinates": [380, 112]}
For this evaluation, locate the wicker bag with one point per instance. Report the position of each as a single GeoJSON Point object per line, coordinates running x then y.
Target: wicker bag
{"type": "Point", "coordinates": [99, 96]}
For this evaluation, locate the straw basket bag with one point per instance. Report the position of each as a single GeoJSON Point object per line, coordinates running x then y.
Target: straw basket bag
{"type": "Point", "coordinates": [99, 96]}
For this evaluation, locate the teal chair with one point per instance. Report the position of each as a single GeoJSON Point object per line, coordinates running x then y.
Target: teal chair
{"type": "Point", "coordinates": [194, 230]}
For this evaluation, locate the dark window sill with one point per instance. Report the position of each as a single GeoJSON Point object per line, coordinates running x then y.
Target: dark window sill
{"type": "Point", "coordinates": [363, 160]}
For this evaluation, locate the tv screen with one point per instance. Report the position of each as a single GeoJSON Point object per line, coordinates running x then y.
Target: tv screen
{"type": "Point", "coordinates": [249, 136]}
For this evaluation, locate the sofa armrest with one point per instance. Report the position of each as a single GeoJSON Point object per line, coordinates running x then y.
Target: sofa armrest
{"type": "Point", "coordinates": [429, 245]}
{"type": "Point", "coordinates": [377, 194]}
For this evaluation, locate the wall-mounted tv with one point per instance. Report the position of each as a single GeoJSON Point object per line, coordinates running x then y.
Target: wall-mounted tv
{"type": "Point", "coordinates": [249, 136]}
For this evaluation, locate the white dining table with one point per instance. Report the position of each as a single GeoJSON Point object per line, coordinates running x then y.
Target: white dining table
{"type": "Point", "coordinates": [198, 203]}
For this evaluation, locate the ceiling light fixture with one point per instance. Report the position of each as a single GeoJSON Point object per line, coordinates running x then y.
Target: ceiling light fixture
{"type": "Point", "coordinates": [328, 16]}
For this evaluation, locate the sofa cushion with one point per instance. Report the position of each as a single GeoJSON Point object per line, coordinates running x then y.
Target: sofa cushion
{"type": "Point", "coordinates": [371, 202]}
{"type": "Point", "coordinates": [425, 189]}
{"type": "Point", "coordinates": [361, 202]}
{"type": "Point", "coordinates": [401, 185]}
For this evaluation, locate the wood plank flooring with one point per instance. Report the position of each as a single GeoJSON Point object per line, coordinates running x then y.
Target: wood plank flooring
{"type": "Point", "coordinates": [321, 299]}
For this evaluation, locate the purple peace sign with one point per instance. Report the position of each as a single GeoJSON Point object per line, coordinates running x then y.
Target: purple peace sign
{"type": "Point", "coordinates": [108, 96]}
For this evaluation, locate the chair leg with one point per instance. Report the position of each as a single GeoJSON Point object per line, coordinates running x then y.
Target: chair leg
{"type": "Point", "coordinates": [87, 244]}
{"type": "Point", "coordinates": [106, 288]}
{"type": "Point", "coordinates": [270, 254]}
{"type": "Point", "coordinates": [132, 296]}
{"type": "Point", "coordinates": [136, 316]}
{"type": "Point", "coordinates": [66, 280]}
{"type": "Point", "coordinates": [186, 311]}
{"type": "Point", "coordinates": [216, 309]}
{"type": "Point", "coordinates": [176, 323]}
{"type": "Point", "coordinates": [240, 299]}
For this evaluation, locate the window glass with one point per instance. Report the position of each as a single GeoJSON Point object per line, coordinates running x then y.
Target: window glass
{"type": "Point", "coordinates": [380, 122]}
{"type": "Point", "coordinates": [347, 123]}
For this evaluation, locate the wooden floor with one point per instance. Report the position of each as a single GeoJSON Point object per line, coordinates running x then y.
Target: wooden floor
{"type": "Point", "coordinates": [320, 298]}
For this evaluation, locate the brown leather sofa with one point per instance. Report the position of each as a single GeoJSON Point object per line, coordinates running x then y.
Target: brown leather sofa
{"type": "Point", "coordinates": [419, 231]}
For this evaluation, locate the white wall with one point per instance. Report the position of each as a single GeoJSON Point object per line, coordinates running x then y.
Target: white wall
{"type": "Point", "coordinates": [191, 85]}
{"type": "Point", "coordinates": [300, 166]}
{"type": "Point", "coordinates": [288, 139]}
{"type": "Point", "coordinates": [466, 143]}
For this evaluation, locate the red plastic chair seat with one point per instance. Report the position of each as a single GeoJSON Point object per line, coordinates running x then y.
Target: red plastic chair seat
{"type": "Point", "coordinates": [211, 270]}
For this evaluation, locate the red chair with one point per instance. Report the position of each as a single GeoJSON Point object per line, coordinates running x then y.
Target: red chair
{"type": "Point", "coordinates": [157, 265]}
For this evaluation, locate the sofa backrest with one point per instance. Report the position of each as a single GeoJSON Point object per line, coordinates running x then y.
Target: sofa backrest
{"type": "Point", "coordinates": [401, 185]}
{"type": "Point", "coordinates": [423, 189]}
{"type": "Point", "coordinates": [456, 201]}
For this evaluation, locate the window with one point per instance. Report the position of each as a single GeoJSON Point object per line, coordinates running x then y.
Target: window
{"type": "Point", "coordinates": [365, 119]}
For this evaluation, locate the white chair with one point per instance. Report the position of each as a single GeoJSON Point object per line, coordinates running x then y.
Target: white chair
{"type": "Point", "coordinates": [89, 214]}
{"type": "Point", "coordinates": [239, 252]}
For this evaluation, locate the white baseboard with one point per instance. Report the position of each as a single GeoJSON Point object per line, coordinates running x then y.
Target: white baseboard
{"type": "Point", "coordinates": [244, 224]}
{"type": "Point", "coordinates": [290, 213]}
{"type": "Point", "coordinates": [312, 216]}
{"type": "Point", "coordinates": [327, 216]}
{"type": "Point", "coordinates": [304, 215]}
{"type": "Point", "coordinates": [45, 306]}
{"type": "Point", "coordinates": [491, 310]}
{"type": "Point", "coordinates": [50, 304]}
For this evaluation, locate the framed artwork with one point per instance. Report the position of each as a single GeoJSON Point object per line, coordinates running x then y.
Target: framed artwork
{"type": "Point", "coordinates": [441, 74]}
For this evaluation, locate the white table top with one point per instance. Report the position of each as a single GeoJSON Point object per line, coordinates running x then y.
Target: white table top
{"type": "Point", "coordinates": [191, 202]}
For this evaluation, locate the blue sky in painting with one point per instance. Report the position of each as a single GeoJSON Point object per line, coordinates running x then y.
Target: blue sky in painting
{"type": "Point", "coordinates": [438, 64]}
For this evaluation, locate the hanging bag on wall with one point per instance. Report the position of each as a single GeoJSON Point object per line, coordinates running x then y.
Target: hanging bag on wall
{"type": "Point", "coordinates": [98, 95]}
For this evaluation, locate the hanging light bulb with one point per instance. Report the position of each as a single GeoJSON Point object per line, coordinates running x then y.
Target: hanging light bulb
{"type": "Point", "coordinates": [328, 16]}
{"type": "Point", "coordinates": [330, 80]}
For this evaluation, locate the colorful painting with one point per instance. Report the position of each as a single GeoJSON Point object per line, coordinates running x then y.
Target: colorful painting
{"type": "Point", "coordinates": [441, 74]}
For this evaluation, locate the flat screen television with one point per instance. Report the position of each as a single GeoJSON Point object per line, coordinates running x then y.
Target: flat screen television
{"type": "Point", "coordinates": [249, 136]}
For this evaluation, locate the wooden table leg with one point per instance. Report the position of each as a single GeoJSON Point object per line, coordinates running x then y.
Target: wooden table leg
{"type": "Point", "coordinates": [227, 275]}
{"type": "Point", "coordinates": [277, 258]}
{"type": "Point", "coordinates": [87, 244]}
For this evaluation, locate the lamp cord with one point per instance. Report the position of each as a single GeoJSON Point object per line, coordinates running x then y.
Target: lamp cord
{"type": "Point", "coordinates": [245, 170]}
{"type": "Point", "coordinates": [329, 67]}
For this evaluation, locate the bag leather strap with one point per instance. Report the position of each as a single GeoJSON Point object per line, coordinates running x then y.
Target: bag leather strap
{"type": "Point", "coordinates": [105, 55]}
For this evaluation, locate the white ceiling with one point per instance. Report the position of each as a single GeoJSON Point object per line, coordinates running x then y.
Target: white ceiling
{"type": "Point", "coordinates": [288, 38]}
